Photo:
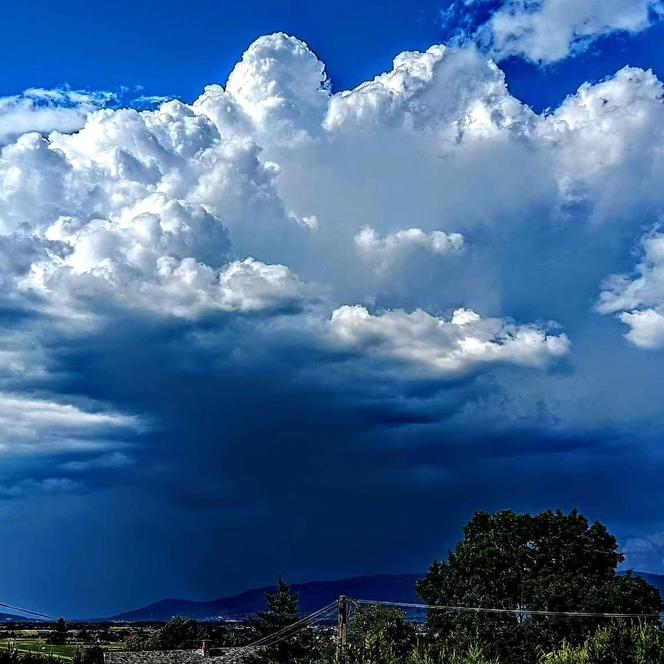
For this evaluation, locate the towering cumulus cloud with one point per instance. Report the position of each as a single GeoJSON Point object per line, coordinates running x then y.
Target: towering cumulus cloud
{"type": "Point", "coordinates": [177, 211]}
{"type": "Point", "coordinates": [364, 287]}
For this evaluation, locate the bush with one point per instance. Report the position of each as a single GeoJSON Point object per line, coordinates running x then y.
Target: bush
{"type": "Point", "coordinates": [379, 635]}
{"type": "Point", "coordinates": [58, 636]}
{"type": "Point", "coordinates": [474, 654]}
{"type": "Point", "coordinates": [616, 644]}
{"type": "Point", "coordinates": [11, 656]}
{"type": "Point", "coordinates": [175, 634]}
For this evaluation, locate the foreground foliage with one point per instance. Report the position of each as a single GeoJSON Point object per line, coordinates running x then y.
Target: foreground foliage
{"type": "Point", "coordinates": [11, 655]}
{"type": "Point", "coordinates": [549, 561]}
{"type": "Point", "coordinates": [615, 644]}
{"type": "Point", "coordinates": [472, 655]}
{"type": "Point", "coordinates": [379, 634]}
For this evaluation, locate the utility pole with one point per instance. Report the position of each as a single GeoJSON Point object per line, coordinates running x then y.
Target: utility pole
{"type": "Point", "coordinates": [342, 629]}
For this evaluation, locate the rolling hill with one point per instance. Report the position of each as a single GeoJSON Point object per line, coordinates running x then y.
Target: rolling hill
{"type": "Point", "coordinates": [13, 618]}
{"type": "Point", "coordinates": [656, 580]}
{"type": "Point", "coordinates": [313, 595]}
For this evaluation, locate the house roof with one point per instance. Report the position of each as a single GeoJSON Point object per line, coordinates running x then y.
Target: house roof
{"type": "Point", "coordinates": [167, 656]}
{"type": "Point", "coordinates": [154, 657]}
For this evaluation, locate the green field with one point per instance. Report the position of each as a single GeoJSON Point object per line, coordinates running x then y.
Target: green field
{"type": "Point", "coordinates": [40, 647]}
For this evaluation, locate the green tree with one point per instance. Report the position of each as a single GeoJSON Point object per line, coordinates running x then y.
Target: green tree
{"type": "Point", "coordinates": [58, 635]}
{"type": "Point", "coordinates": [282, 610]}
{"type": "Point", "coordinates": [379, 635]}
{"type": "Point", "coordinates": [177, 633]}
{"type": "Point", "coordinates": [549, 561]}
{"type": "Point", "coordinates": [83, 635]}
{"type": "Point", "coordinates": [230, 635]}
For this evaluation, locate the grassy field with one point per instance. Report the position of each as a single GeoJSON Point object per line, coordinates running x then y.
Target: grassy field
{"type": "Point", "coordinates": [39, 646]}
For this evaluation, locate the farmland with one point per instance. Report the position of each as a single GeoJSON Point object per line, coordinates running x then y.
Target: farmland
{"type": "Point", "coordinates": [39, 641]}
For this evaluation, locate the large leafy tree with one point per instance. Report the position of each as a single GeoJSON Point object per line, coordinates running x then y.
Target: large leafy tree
{"type": "Point", "coordinates": [282, 610]}
{"type": "Point", "coordinates": [550, 561]}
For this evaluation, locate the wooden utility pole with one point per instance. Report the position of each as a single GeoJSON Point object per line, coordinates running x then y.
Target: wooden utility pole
{"type": "Point", "coordinates": [342, 629]}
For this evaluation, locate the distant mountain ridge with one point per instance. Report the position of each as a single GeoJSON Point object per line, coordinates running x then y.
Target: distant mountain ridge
{"type": "Point", "coordinates": [11, 618]}
{"type": "Point", "coordinates": [313, 595]}
{"type": "Point", "coordinates": [656, 580]}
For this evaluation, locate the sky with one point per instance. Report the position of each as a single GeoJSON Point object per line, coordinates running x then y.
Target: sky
{"type": "Point", "coordinates": [295, 289]}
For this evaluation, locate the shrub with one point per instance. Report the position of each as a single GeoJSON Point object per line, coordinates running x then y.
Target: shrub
{"type": "Point", "coordinates": [617, 643]}
{"type": "Point", "coordinates": [378, 634]}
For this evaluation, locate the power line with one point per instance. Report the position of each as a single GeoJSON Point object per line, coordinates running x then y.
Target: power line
{"type": "Point", "coordinates": [28, 611]}
{"type": "Point", "coordinates": [525, 612]}
{"type": "Point", "coordinates": [315, 617]}
{"type": "Point", "coordinates": [306, 619]}
{"type": "Point", "coordinates": [319, 615]}
{"type": "Point", "coordinates": [303, 627]}
{"type": "Point", "coordinates": [271, 639]}
{"type": "Point", "coordinates": [282, 634]}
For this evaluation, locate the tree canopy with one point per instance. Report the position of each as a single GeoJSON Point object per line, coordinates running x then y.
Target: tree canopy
{"type": "Point", "coordinates": [550, 561]}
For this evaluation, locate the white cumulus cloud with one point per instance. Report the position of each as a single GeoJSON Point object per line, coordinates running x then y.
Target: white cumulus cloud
{"type": "Point", "coordinates": [383, 251]}
{"type": "Point", "coordinates": [638, 299]}
{"type": "Point", "coordinates": [445, 348]}
{"type": "Point", "coordinates": [236, 202]}
{"type": "Point", "coordinates": [45, 110]}
{"type": "Point", "coordinates": [551, 30]}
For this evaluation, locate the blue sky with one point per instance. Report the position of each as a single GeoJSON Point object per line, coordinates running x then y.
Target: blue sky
{"type": "Point", "coordinates": [167, 48]}
{"type": "Point", "coordinates": [171, 48]}
{"type": "Point", "coordinates": [276, 328]}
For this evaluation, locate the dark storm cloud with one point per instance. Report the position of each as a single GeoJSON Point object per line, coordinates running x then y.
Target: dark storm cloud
{"type": "Point", "coordinates": [275, 473]}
